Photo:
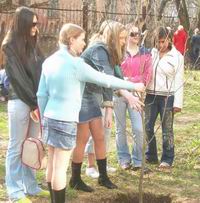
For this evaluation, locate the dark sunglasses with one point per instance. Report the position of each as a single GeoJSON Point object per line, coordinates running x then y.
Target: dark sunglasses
{"type": "Point", "coordinates": [34, 24]}
{"type": "Point", "coordinates": [134, 34]}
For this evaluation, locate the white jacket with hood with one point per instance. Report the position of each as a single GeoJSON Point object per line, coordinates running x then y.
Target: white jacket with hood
{"type": "Point", "coordinates": [168, 73]}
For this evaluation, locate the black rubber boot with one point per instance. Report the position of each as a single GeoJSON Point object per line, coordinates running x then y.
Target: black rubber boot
{"type": "Point", "coordinates": [76, 181]}
{"type": "Point", "coordinates": [51, 192]}
{"type": "Point", "coordinates": [103, 179]}
{"type": "Point", "coordinates": [59, 195]}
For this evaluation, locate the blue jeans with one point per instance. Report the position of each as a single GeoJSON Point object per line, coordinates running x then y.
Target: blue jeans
{"type": "Point", "coordinates": [20, 179]}
{"type": "Point", "coordinates": [124, 156]}
{"type": "Point", "coordinates": [163, 105]}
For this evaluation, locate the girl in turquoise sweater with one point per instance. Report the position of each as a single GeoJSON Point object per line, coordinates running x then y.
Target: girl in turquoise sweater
{"type": "Point", "coordinates": [59, 98]}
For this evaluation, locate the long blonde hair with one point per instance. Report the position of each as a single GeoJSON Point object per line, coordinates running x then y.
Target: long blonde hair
{"type": "Point", "coordinates": [99, 35]}
{"type": "Point", "coordinates": [111, 37]}
{"type": "Point", "coordinates": [109, 33]}
{"type": "Point", "coordinates": [68, 31]}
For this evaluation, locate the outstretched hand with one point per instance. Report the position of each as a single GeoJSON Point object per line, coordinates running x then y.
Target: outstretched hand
{"type": "Point", "coordinates": [133, 101]}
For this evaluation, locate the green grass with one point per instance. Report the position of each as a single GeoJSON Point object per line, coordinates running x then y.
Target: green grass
{"type": "Point", "coordinates": [182, 182]}
{"type": "Point", "coordinates": [3, 120]}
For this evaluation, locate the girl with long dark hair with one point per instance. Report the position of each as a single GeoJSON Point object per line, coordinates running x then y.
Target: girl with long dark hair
{"type": "Point", "coordinates": [22, 62]}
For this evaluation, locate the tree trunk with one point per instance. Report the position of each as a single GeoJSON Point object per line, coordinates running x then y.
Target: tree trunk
{"type": "Point", "coordinates": [85, 19]}
{"type": "Point", "coordinates": [93, 15]}
{"type": "Point", "coordinates": [132, 9]}
{"type": "Point", "coordinates": [162, 8]}
{"type": "Point", "coordinates": [198, 22]}
{"type": "Point", "coordinates": [21, 2]}
{"type": "Point", "coordinates": [144, 8]}
{"type": "Point", "coordinates": [183, 13]}
{"type": "Point", "coordinates": [110, 6]}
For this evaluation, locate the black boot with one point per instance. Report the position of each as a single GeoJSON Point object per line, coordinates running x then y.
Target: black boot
{"type": "Point", "coordinates": [59, 195]}
{"type": "Point", "coordinates": [103, 179]}
{"type": "Point", "coordinates": [76, 181]}
{"type": "Point", "coordinates": [51, 192]}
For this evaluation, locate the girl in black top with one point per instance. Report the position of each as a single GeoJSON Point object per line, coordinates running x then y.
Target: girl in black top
{"type": "Point", "coordinates": [22, 62]}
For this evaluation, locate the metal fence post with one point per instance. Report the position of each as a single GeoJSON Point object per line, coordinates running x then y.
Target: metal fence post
{"type": "Point", "coordinates": [85, 19]}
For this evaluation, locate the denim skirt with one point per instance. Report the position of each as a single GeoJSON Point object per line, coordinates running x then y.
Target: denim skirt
{"type": "Point", "coordinates": [90, 108]}
{"type": "Point", "coordinates": [59, 134]}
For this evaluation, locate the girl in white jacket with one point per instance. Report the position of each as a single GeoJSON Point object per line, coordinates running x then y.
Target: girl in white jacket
{"type": "Point", "coordinates": [164, 96]}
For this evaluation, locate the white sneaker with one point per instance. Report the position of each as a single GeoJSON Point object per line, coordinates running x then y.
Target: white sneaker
{"type": "Point", "coordinates": [111, 169]}
{"type": "Point", "coordinates": [92, 172]}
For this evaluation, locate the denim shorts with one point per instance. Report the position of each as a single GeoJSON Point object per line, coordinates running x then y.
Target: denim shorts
{"type": "Point", "coordinates": [59, 134]}
{"type": "Point", "coordinates": [90, 108]}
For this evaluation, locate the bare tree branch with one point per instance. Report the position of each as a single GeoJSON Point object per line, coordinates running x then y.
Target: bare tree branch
{"type": "Point", "coordinates": [198, 20]}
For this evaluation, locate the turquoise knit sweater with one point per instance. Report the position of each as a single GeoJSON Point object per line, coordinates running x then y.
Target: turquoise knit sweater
{"type": "Point", "coordinates": [62, 83]}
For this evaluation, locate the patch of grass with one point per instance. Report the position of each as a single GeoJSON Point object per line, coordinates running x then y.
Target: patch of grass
{"type": "Point", "coordinates": [3, 119]}
{"type": "Point", "coordinates": [191, 91]}
{"type": "Point", "coordinates": [2, 175]}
